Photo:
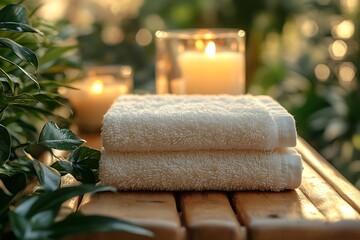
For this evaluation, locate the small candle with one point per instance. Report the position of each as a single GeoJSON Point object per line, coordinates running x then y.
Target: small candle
{"type": "Point", "coordinates": [212, 72]}
{"type": "Point", "coordinates": [94, 98]}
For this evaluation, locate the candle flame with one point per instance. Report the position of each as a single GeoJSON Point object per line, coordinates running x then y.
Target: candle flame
{"type": "Point", "coordinates": [97, 87]}
{"type": "Point", "coordinates": [210, 49]}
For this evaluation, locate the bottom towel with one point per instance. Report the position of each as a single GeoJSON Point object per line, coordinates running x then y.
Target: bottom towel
{"type": "Point", "coordinates": [202, 170]}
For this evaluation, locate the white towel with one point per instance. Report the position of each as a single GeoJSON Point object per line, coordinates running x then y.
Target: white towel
{"type": "Point", "coordinates": [175, 123]}
{"type": "Point", "coordinates": [201, 170]}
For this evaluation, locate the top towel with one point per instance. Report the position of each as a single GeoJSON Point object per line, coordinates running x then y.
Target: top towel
{"type": "Point", "coordinates": [197, 122]}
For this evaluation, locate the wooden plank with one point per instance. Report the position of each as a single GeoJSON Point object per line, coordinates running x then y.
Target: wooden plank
{"type": "Point", "coordinates": [290, 215]}
{"type": "Point", "coordinates": [282, 215]}
{"type": "Point", "coordinates": [155, 211]}
{"type": "Point", "coordinates": [208, 215]}
{"type": "Point", "coordinates": [324, 197]}
{"type": "Point", "coordinates": [341, 185]}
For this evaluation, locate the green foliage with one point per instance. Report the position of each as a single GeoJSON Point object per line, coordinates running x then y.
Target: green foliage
{"type": "Point", "coordinates": [33, 68]}
{"type": "Point", "coordinates": [5, 145]}
{"type": "Point", "coordinates": [325, 107]}
{"type": "Point", "coordinates": [35, 218]}
{"type": "Point", "coordinates": [83, 164]}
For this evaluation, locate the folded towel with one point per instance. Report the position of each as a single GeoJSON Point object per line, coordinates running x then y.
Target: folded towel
{"type": "Point", "coordinates": [176, 123]}
{"type": "Point", "coordinates": [201, 170]}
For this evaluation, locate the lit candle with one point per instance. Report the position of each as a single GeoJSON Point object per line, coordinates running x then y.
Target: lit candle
{"type": "Point", "coordinates": [212, 72]}
{"type": "Point", "coordinates": [95, 97]}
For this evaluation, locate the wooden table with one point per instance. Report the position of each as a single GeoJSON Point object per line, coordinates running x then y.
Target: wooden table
{"type": "Point", "coordinates": [326, 206]}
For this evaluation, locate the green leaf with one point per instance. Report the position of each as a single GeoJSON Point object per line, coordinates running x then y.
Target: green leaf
{"type": "Point", "coordinates": [22, 52]}
{"type": "Point", "coordinates": [48, 178]}
{"type": "Point", "coordinates": [5, 145]}
{"type": "Point", "coordinates": [83, 165]}
{"type": "Point", "coordinates": [54, 53]}
{"type": "Point", "coordinates": [13, 183]}
{"type": "Point", "coordinates": [55, 84]}
{"type": "Point", "coordinates": [63, 167]}
{"type": "Point", "coordinates": [9, 79]}
{"type": "Point", "coordinates": [77, 223]}
{"type": "Point", "coordinates": [81, 173]}
{"type": "Point", "coordinates": [86, 156]}
{"type": "Point", "coordinates": [18, 27]}
{"type": "Point", "coordinates": [51, 100]}
{"type": "Point", "coordinates": [5, 202]}
{"type": "Point", "coordinates": [19, 225]}
{"type": "Point", "coordinates": [53, 200]}
{"type": "Point", "coordinates": [13, 13]}
{"type": "Point", "coordinates": [35, 149]}
{"type": "Point", "coordinates": [21, 99]}
{"type": "Point", "coordinates": [23, 70]}
{"type": "Point", "coordinates": [62, 139]}
{"type": "Point", "coordinates": [43, 219]}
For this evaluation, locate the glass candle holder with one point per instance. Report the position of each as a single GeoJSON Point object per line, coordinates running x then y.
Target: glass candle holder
{"type": "Point", "coordinates": [200, 61]}
{"type": "Point", "coordinates": [97, 91]}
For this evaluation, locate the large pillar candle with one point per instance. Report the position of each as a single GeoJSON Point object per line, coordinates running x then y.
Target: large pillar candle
{"type": "Point", "coordinates": [211, 72]}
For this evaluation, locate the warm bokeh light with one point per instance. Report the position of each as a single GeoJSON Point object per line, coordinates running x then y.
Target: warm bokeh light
{"type": "Point", "coordinates": [345, 29]}
{"type": "Point", "coordinates": [112, 35]}
{"type": "Point", "coordinates": [322, 72]}
{"type": "Point", "coordinates": [338, 49]}
{"type": "Point", "coordinates": [143, 37]}
{"type": "Point", "coordinates": [123, 7]}
{"type": "Point", "coordinates": [53, 10]}
{"type": "Point", "coordinates": [210, 49]}
{"type": "Point", "coordinates": [126, 71]}
{"type": "Point", "coordinates": [309, 28]}
{"type": "Point", "coordinates": [350, 5]}
{"type": "Point", "coordinates": [154, 22]}
{"type": "Point", "coordinates": [347, 72]}
{"type": "Point", "coordinates": [97, 87]}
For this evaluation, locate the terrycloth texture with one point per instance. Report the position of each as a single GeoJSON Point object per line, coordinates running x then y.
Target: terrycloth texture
{"type": "Point", "coordinates": [176, 123]}
{"type": "Point", "coordinates": [202, 170]}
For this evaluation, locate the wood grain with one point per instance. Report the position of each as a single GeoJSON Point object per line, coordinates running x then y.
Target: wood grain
{"type": "Point", "coordinates": [155, 211]}
{"type": "Point", "coordinates": [208, 215]}
{"type": "Point", "coordinates": [324, 197]}
{"type": "Point", "coordinates": [341, 185]}
{"type": "Point", "coordinates": [277, 215]}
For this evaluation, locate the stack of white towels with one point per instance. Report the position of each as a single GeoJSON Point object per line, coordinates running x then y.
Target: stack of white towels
{"type": "Point", "coordinates": [176, 143]}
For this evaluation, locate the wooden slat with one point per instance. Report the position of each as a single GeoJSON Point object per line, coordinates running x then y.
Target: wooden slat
{"type": "Point", "coordinates": [324, 197]}
{"type": "Point", "coordinates": [208, 215]}
{"type": "Point", "coordinates": [153, 210]}
{"type": "Point", "coordinates": [283, 215]}
{"type": "Point", "coordinates": [341, 185]}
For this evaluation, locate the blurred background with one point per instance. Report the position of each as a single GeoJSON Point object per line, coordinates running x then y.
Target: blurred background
{"type": "Point", "coordinates": [304, 53]}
